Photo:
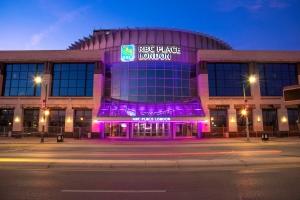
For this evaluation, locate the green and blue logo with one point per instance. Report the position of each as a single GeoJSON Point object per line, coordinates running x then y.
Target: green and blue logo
{"type": "Point", "coordinates": [127, 53]}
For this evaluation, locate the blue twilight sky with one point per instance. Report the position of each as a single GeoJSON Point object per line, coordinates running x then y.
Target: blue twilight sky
{"type": "Point", "coordinates": [245, 24]}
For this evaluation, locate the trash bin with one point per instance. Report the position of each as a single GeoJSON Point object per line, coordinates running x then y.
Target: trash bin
{"type": "Point", "coordinates": [60, 138]}
{"type": "Point", "coordinates": [89, 135]}
{"type": "Point", "coordinates": [264, 136]}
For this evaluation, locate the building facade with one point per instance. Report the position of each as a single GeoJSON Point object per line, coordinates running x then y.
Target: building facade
{"type": "Point", "coordinates": [148, 83]}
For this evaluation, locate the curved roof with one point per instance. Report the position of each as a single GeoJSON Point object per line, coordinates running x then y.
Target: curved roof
{"type": "Point", "coordinates": [109, 38]}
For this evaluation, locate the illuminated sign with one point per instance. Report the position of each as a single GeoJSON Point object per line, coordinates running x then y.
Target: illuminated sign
{"type": "Point", "coordinates": [127, 53]}
{"type": "Point", "coordinates": [149, 52]}
{"type": "Point", "coordinates": [157, 52]}
{"type": "Point", "coordinates": [151, 119]}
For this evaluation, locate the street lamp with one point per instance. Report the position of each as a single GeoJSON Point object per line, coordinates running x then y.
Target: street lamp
{"type": "Point", "coordinates": [39, 80]}
{"type": "Point", "coordinates": [250, 80]}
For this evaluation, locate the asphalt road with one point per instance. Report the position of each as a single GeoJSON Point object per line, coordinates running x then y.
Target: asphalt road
{"type": "Point", "coordinates": [240, 184]}
{"type": "Point", "coordinates": [213, 169]}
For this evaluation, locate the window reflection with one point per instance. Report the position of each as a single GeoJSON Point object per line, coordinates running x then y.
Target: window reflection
{"type": "Point", "coordinates": [150, 81]}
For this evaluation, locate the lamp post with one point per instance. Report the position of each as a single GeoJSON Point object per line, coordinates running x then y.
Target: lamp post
{"type": "Point", "coordinates": [251, 79]}
{"type": "Point", "coordinates": [39, 80]}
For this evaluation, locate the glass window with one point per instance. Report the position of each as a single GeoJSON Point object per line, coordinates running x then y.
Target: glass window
{"type": "Point", "coordinates": [273, 77]}
{"type": "Point", "coordinates": [218, 120]}
{"type": "Point", "coordinates": [56, 121]}
{"type": "Point", "coordinates": [150, 79]}
{"type": "Point", "coordinates": [82, 120]}
{"type": "Point", "coordinates": [72, 79]}
{"type": "Point", "coordinates": [6, 120]}
{"type": "Point", "coordinates": [226, 79]}
{"type": "Point", "coordinates": [294, 119]}
{"type": "Point", "coordinates": [270, 121]}
{"type": "Point", "coordinates": [31, 120]}
{"type": "Point", "coordinates": [241, 120]}
{"type": "Point", "coordinates": [18, 79]}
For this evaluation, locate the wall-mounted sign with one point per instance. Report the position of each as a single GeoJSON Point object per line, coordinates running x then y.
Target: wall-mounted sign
{"type": "Point", "coordinates": [127, 53]}
{"type": "Point", "coordinates": [160, 119]}
{"type": "Point", "coordinates": [149, 52]}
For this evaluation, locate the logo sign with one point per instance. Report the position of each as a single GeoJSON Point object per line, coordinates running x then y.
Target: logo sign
{"type": "Point", "coordinates": [127, 53]}
{"type": "Point", "coordinates": [149, 52]}
{"type": "Point", "coordinates": [157, 52]}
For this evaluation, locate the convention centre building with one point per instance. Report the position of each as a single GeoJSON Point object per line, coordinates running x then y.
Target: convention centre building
{"type": "Point", "coordinates": [148, 83]}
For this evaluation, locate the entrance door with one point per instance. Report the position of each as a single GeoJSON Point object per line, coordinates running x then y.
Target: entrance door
{"type": "Point", "coordinates": [151, 130]}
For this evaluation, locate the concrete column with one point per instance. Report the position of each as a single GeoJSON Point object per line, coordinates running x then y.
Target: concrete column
{"type": "Point", "coordinates": [131, 130]}
{"type": "Point", "coordinates": [298, 71]}
{"type": "Point", "coordinates": [232, 120]}
{"type": "Point", "coordinates": [1, 78]}
{"type": "Point", "coordinates": [283, 124]}
{"type": "Point", "coordinates": [203, 92]}
{"type": "Point", "coordinates": [199, 129]}
{"type": "Point", "coordinates": [173, 130]}
{"type": "Point", "coordinates": [69, 119]}
{"type": "Point", "coordinates": [127, 131]}
{"type": "Point", "coordinates": [257, 119]}
{"type": "Point", "coordinates": [97, 95]}
{"type": "Point", "coordinates": [43, 121]}
{"type": "Point", "coordinates": [18, 119]}
{"type": "Point", "coordinates": [255, 87]}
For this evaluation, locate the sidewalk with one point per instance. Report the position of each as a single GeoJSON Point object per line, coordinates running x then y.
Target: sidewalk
{"type": "Point", "coordinates": [204, 141]}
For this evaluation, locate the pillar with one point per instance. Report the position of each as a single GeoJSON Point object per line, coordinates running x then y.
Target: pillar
{"type": "Point", "coordinates": [199, 129]}
{"type": "Point", "coordinates": [130, 127]}
{"type": "Point", "coordinates": [298, 70]}
{"type": "Point", "coordinates": [69, 119]}
{"type": "Point", "coordinates": [173, 130]}
{"type": "Point", "coordinates": [203, 93]}
{"type": "Point", "coordinates": [283, 124]}
{"type": "Point", "coordinates": [255, 94]}
{"type": "Point", "coordinates": [232, 120]}
{"type": "Point", "coordinates": [128, 130]}
{"type": "Point", "coordinates": [257, 119]}
{"type": "Point", "coordinates": [18, 119]}
{"type": "Point", "coordinates": [43, 121]}
{"type": "Point", "coordinates": [1, 77]}
{"type": "Point", "coordinates": [98, 87]}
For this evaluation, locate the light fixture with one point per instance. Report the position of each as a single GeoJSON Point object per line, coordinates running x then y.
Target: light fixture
{"type": "Point", "coordinates": [252, 79]}
{"type": "Point", "coordinates": [17, 119]}
{"type": "Point", "coordinates": [37, 79]}
{"type": "Point", "coordinates": [69, 120]}
{"type": "Point", "coordinates": [42, 120]}
{"type": "Point", "coordinates": [81, 118]}
{"type": "Point", "coordinates": [244, 112]}
{"type": "Point", "coordinates": [212, 119]}
{"type": "Point", "coordinates": [258, 119]}
{"type": "Point", "coordinates": [284, 119]}
{"type": "Point", "coordinates": [232, 120]}
{"type": "Point", "coordinates": [95, 121]}
{"type": "Point", "coordinates": [123, 125]}
{"type": "Point", "coordinates": [47, 112]}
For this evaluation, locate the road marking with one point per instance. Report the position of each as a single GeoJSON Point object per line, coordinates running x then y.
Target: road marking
{"type": "Point", "coordinates": [114, 191]}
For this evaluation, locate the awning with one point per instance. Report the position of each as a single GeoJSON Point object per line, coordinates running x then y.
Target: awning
{"type": "Point", "coordinates": [119, 108]}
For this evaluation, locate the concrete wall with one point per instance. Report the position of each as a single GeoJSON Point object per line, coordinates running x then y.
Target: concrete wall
{"type": "Point", "coordinates": [255, 100]}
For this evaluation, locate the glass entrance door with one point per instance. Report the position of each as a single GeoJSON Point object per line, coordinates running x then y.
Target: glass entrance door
{"type": "Point", "coordinates": [148, 130]}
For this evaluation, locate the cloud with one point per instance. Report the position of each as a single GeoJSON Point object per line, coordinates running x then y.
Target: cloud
{"type": "Point", "coordinates": [37, 38]}
{"type": "Point", "coordinates": [251, 5]}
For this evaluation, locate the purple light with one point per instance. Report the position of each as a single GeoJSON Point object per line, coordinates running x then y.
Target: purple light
{"type": "Point", "coordinates": [119, 108]}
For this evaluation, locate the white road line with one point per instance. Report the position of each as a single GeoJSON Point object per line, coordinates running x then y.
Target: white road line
{"type": "Point", "coordinates": [114, 191]}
